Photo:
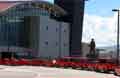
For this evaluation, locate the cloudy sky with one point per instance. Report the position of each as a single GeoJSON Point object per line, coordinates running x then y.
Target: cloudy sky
{"type": "Point", "coordinates": [99, 21]}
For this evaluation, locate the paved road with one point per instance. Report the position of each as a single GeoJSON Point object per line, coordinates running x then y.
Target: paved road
{"type": "Point", "coordinates": [45, 72]}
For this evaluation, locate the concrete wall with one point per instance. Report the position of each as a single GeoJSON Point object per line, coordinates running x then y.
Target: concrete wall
{"type": "Point", "coordinates": [43, 38]}
{"type": "Point", "coordinates": [48, 37]}
{"type": "Point", "coordinates": [85, 49]}
{"type": "Point", "coordinates": [53, 41]}
{"type": "Point", "coordinates": [64, 30]}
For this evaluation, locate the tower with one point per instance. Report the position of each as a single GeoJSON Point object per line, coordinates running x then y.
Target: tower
{"type": "Point", "coordinates": [75, 10]}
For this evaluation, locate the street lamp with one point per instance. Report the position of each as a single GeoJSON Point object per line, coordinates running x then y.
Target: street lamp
{"type": "Point", "coordinates": [118, 11]}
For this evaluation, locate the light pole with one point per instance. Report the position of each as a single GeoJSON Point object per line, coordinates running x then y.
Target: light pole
{"type": "Point", "coordinates": [118, 11]}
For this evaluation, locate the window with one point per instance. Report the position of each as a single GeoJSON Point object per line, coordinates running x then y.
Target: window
{"type": "Point", "coordinates": [65, 44]}
{"type": "Point", "coordinates": [46, 27]}
{"type": "Point", "coordinates": [65, 30]}
{"type": "Point", "coordinates": [56, 43]}
{"type": "Point", "coordinates": [56, 29]}
{"type": "Point", "coordinates": [46, 42]}
{"type": "Point", "coordinates": [16, 19]}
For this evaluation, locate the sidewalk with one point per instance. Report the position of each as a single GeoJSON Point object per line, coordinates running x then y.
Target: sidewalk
{"type": "Point", "coordinates": [45, 72]}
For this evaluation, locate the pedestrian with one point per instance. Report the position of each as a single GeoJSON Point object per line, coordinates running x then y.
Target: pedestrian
{"type": "Point", "coordinates": [92, 47]}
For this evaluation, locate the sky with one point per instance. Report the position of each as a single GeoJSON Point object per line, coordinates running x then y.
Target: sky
{"type": "Point", "coordinates": [100, 22]}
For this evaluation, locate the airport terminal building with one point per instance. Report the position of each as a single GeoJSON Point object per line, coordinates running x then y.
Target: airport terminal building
{"type": "Point", "coordinates": [28, 29]}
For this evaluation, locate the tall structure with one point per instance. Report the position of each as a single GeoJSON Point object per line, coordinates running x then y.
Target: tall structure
{"type": "Point", "coordinates": [75, 10]}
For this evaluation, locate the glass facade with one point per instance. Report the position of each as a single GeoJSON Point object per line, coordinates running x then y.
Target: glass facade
{"type": "Point", "coordinates": [19, 27]}
{"type": "Point", "coordinates": [10, 29]}
{"type": "Point", "coordinates": [15, 26]}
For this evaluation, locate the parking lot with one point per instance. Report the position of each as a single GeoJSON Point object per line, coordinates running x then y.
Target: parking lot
{"type": "Point", "coordinates": [46, 72]}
